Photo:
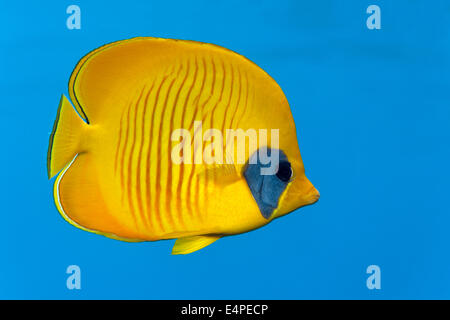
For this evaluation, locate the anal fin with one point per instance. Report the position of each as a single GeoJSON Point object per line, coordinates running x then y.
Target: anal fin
{"type": "Point", "coordinates": [191, 244]}
{"type": "Point", "coordinates": [82, 203]}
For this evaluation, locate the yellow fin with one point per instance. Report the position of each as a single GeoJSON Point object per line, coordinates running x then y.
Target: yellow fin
{"type": "Point", "coordinates": [65, 138]}
{"type": "Point", "coordinates": [223, 174]}
{"type": "Point", "coordinates": [80, 202]}
{"type": "Point", "coordinates": [191, 244]}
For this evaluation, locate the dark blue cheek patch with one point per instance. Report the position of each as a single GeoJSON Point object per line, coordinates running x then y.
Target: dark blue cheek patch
{"type": "Point", "coordinates": [271, 190]}
{"type": "Point", "coordinates": [266, 189]}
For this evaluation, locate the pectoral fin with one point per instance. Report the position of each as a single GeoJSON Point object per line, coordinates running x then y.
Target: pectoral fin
{"type": "Point", "coordinates": [191, 244]}
{"type": "Point", "coordinates": [224, 174]}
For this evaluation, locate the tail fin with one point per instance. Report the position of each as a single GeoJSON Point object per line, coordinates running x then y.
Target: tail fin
{"type": "Point", "coordinates": [65, 138]}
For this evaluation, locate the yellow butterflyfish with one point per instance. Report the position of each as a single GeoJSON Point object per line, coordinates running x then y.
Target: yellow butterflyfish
{"type": "Point", "coordinates": [174, 139]}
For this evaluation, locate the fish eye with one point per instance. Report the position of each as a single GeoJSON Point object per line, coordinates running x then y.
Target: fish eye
{"type": "Point", "coordinates": [284, 171]}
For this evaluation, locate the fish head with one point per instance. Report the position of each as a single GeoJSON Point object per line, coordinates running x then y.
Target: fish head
{"type": "Point", "coordinates": [278, 184]}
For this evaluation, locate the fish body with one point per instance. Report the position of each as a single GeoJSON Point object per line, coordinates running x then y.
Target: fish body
{"type": "Point", "coordinates": [115, 154]}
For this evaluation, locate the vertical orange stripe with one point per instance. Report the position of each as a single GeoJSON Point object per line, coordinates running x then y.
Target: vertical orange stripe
{"type": "Point", "coordinates": [169, 163]}
{"type": "Point", "coordinates": [144, 216]}
{"type": "Point", "coordinates": [188, 199]}
{"type": "Point", "coordinates": [116, 158]}
{"type": "Point", "coordinates": [169, 177]}
{"type": "Point", "coordinates": [130, 156]}
{"type": "Point", "coordinates": [122, 160]}
{"type": "Point", "coordinates": [205, 114]}
{"type": "Point", "coordinates": [247, 90]}
{"type": "Point", "coordinates": [196, 195]}
{"type": "Point", "coordinates": [159, 212]}
{"type": "Point", "coordinates": [227, 106]}
{"type": "Point", "coordinates": [214, 109]}
{"type": "Point", "coordinates": [239, 99]}
{"type": "Point", "coordinates": [149, 164]}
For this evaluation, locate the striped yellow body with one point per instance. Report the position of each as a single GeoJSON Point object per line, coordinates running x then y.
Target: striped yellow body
{"type": "Point", "coordinates": [133, 94]}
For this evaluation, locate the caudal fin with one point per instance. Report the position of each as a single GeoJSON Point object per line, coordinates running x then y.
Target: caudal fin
{"type": "Point", "coordinates": [65, 139]}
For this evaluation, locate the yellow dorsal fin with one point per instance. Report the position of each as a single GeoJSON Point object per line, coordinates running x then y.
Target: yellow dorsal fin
{"type": "Point", "coordinates": [191, 244]}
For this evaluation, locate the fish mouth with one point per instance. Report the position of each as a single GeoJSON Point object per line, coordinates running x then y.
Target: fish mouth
{"type": "Point", "coordinates": [313, 196]}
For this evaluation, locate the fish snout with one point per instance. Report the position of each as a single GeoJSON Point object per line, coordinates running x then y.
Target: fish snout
{"type": "Point", "coordinates": [300, 193]}
{"type": "Point", "coordinates": [313, 196]}
{"type": "Point", "coordinates": [305, 192]}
